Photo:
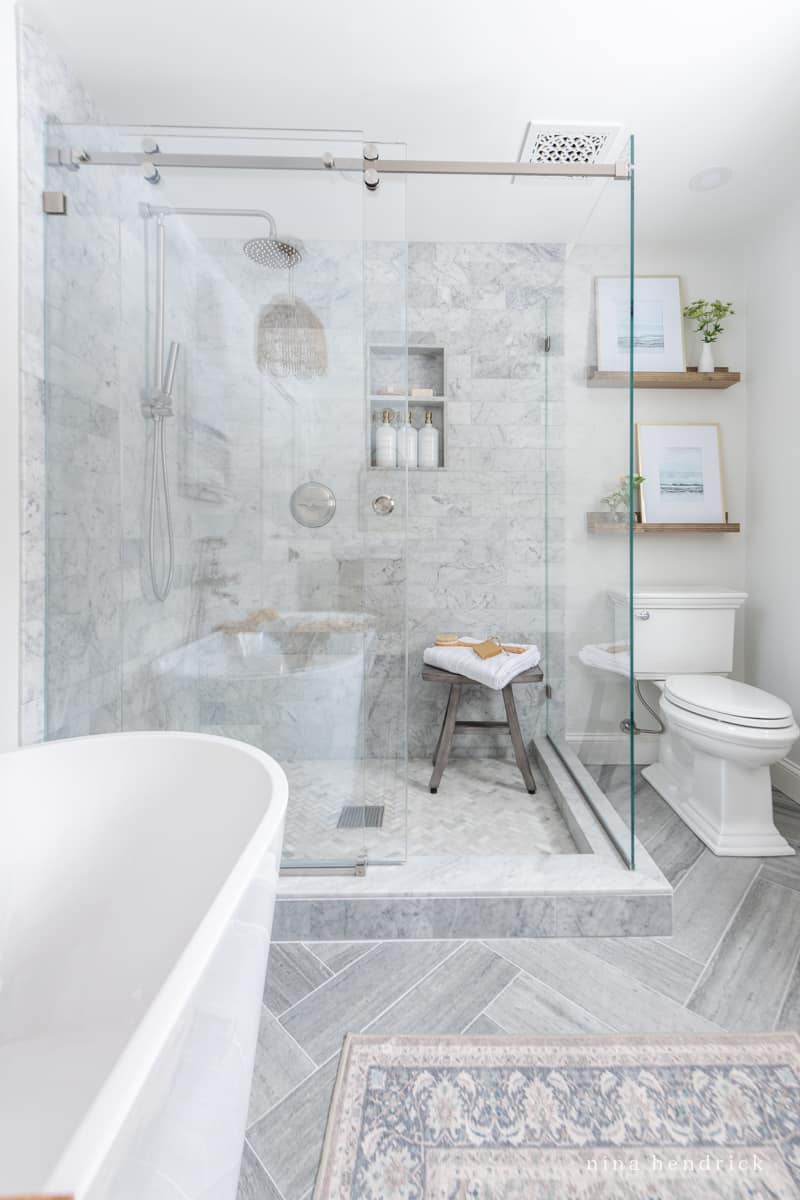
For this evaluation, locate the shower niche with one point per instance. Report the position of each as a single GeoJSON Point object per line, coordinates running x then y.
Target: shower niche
{"type": "Point", "coordinates": [407, 379]}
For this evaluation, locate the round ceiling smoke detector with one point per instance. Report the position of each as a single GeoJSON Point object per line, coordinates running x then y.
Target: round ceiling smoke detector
{"type": "Point", "coordinates": [711, 178]}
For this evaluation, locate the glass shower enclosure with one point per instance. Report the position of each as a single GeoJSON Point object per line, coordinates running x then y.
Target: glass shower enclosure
{"type": "Point", "coordinates": [224, 552]}
{"type": "Point", "coordinates": [220, 557]}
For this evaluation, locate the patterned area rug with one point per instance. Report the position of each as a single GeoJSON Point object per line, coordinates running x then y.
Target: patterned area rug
{"type": "Point", "coordinates": [510, 1118]}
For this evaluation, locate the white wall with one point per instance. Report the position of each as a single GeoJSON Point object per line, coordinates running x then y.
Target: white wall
{"type": "Point", "coordinates": [596, 456]}
{"type": "Point", "coordinates": [773, 482]}
{"type": "Point", "coordinates": [9, 403]}
{"type": "Point", "coordinates": [704, 558]}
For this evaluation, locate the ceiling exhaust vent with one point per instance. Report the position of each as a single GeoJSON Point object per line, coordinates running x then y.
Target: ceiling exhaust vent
{"type": "Point", "coordinates": [561, 143]}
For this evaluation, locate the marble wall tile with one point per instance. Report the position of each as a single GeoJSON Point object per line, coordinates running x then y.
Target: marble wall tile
{"type": "Point", "coordinates": [240, 443]}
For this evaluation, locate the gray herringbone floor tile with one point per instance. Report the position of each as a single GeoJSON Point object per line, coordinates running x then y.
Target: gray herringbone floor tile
{"type": "Point", "coordinates": [744, 984]}
{"type": "Point", "coordinates": [358, 995]}
{"type": "Point", "coordinates": [451, 996]}
{"type": "Point", "coordinates": [732, 962]}
{"type": "Point", "coordinates": [292, 973]}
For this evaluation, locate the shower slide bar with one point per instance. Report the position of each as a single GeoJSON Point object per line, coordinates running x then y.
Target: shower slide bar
{"type": "Point", "coordinates": [371, 167]}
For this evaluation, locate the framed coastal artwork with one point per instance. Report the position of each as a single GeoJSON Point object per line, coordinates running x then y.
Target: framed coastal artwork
{"type": "Point", "coordinates": [682, 469]}
{"type": "Point", "coordinates": [657, 323]}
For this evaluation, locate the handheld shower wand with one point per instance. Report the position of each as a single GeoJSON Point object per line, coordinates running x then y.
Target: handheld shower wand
{"type": "Point", "coordinates": [158, 410]}
{"type": "Point", "coordinates": [270, 251]}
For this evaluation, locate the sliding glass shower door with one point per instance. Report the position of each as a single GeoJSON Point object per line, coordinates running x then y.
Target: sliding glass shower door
{"type": "Point", "coordinates": [231, 563]}
{"type": "Point", "coordinates": [592, 502]}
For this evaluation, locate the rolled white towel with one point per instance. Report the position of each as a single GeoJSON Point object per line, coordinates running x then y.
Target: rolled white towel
{"type": "Point", "coordinates": [605, 658]}
{"type": "Point", "coordinates": [495, 672]}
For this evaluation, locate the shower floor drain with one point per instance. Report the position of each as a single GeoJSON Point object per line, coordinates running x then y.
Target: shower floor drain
{"type": "Point", "coordinates": [361, 816]}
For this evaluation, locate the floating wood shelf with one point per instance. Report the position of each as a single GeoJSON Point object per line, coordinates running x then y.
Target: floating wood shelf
{"type": "Point", "coordinates": [599, 523]}
{"type": "Point", "coordinates": [692, 378]}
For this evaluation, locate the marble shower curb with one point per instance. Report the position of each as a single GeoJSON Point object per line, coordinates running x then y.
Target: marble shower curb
{"type": "Point", "coordinates": [588, 894]}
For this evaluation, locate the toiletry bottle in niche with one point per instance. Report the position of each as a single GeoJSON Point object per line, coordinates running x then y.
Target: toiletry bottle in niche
{"type": "Point", "coordinates": [407, 443]}
{"type": "Point", "coordinates": [386, 442]}
{"type": "Point", "coordinates": [428, 442]}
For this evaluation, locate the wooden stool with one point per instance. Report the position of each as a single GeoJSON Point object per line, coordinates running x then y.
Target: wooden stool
{"type": "Point", "coordinates": [451, 726]}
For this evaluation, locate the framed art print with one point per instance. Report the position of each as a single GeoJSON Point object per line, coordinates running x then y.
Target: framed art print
{"type": "Point", "coordinates": [657, 323]}
{"type": "Point", "coordinates": [682, 469]}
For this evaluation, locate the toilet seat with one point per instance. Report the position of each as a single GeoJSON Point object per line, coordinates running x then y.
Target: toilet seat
{"type": "Point", "coordinates": [720, 699]}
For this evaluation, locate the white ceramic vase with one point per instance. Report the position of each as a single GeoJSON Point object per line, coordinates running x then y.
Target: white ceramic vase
{"type": "Point", "coordinates": [706, 361]}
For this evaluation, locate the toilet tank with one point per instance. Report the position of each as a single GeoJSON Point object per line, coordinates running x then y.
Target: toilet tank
{"type": "Point", "coordinates": [679, 630]}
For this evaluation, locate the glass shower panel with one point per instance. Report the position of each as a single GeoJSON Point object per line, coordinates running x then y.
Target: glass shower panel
{"type": "Point", "coordinates": [270, 629]}
{"type": "Point", "coordinates": [589, 426]}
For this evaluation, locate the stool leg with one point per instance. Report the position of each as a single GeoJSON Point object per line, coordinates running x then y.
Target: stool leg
{"type": "Point", "coordinates": [446, 738]}
{"type": "Point", "coordinates": [441, 731]}
{"type": "Point", "coordinates": [520, 753]}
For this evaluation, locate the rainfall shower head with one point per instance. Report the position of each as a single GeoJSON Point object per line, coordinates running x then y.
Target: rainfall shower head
{"type": "Point", "coordinates": [268, 251]}
{"type": "Point", "coordinates": [272, 252]}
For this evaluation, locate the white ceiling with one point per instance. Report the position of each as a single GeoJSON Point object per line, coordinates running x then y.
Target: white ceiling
{"type": "Point", "coordinates": [700, 84]}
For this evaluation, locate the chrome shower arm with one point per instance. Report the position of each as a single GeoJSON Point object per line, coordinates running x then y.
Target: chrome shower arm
{"type": "Point", "coordinates": [156, 210]}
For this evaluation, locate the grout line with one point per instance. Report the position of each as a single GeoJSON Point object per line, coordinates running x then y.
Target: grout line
{"type": "Point", "coordinates": [689, 870]}
{"type": "Point", "coordinates": [317, 957]}
{"type": "Point", "coordinates": [414, 985]}
{"type": "Point", "coordinates": [367, 947]}
{"type": "Point", "coordinates": [775, 883]}
{"type": "Point", "coordinates": [263, 1168]}
{"type": "Point", "coordinates": [710, 960]}
{"type": "Point", "coordinates": [297, 1087]}
{"type": "Point", "coordinates": [305, 1055]}
{"type": "Point", "coordinates": [786, 990]}
{"type": "Point", "coordinates": [278, 1015]}
{"type": "Point", "coordinates": [549, 987]}
{"type": "Point", "coordinates": [695, 962]}
{"type": "Point", "coordinates": [335, 1054]}
{"type": "Point", "coordinates": [504, 988]}
{"type": "Point", "coordinates": [670, 813]}
{"type": "Point", "coordinates": [324, 983]}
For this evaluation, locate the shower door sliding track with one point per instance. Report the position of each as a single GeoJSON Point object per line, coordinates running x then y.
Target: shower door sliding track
{"type": "Point", "coordinates": [73, 158]}
{"type": "Point", "coordinates": [299, 867]}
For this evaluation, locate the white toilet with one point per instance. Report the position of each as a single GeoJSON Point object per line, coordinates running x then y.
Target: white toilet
{"type": "Point", "coordinates": [721, 736]}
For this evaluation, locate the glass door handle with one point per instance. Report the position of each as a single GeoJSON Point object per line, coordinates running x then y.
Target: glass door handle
{"type": "Point", "coordinates": [383, 505]}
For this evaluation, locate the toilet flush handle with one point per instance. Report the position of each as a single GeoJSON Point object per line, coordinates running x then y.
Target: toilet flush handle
{"type": "Point", "coordinates": [641, 614]}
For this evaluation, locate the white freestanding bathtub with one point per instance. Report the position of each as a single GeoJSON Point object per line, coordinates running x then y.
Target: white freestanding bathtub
{"type": "Point", "coordinates": [137, 882]}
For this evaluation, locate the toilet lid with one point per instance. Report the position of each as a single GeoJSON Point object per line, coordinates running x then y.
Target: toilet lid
{"type": "Point", "coordinates": [724, 699]}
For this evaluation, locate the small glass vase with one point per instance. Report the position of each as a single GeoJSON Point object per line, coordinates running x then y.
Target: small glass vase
{"type": "Point", "coordinates": [706, 360]}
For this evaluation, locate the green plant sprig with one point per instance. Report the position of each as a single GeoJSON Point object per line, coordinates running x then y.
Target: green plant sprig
{"type": "Point", "coordinates": [620, 499]}
{"type": "Point", "coordinates": [708, 316]}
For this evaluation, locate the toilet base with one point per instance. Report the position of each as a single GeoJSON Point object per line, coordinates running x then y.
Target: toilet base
{"type": "Point", "coordinates": [759, 838]}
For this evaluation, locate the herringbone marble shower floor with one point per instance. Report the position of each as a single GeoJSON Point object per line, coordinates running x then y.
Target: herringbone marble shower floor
{"type": "Point", "coordinates": [732, 963]}
{"type": "Point", "coordinates": [482, 807]}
